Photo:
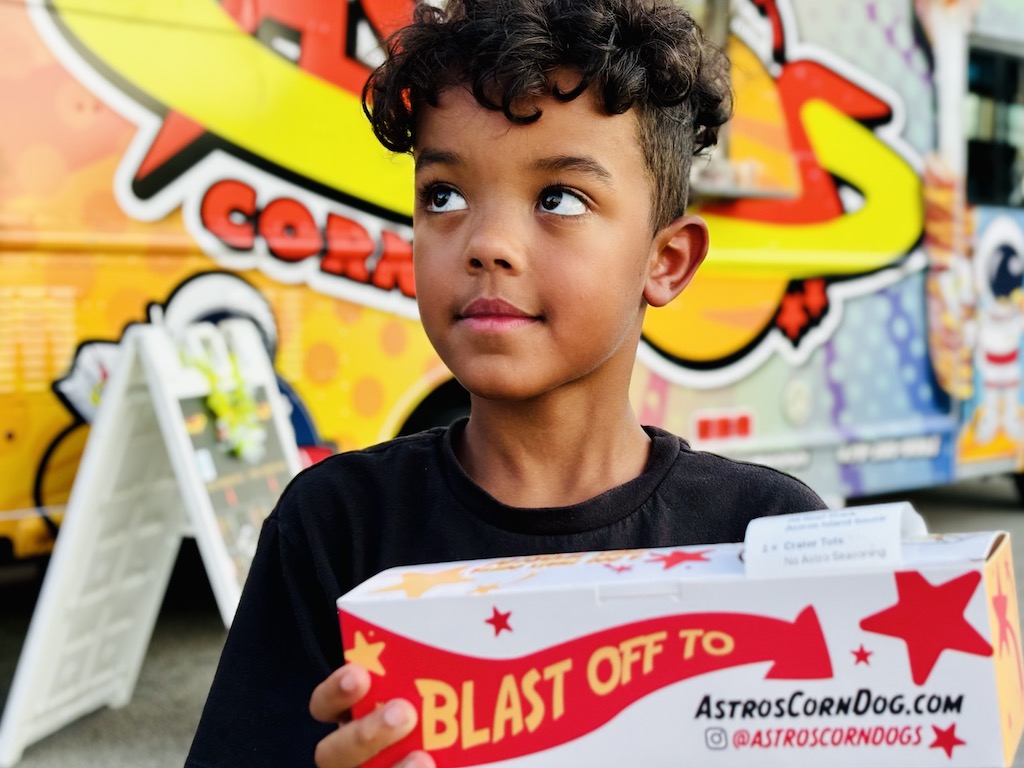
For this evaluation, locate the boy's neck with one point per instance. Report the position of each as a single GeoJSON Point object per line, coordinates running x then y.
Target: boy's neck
{"type": "Point", "coordinates": [530, 455]}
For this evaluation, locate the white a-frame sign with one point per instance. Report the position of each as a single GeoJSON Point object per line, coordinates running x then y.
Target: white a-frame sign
{"type": "Point", "coordinates": [191, 435]}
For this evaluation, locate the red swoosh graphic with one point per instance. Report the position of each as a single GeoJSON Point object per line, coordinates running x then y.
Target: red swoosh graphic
{"type": "Point", "coordinates": [475, 710]}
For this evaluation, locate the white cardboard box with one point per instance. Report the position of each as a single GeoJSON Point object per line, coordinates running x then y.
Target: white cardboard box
{"type": "Point", "coordinates": [839, 638]}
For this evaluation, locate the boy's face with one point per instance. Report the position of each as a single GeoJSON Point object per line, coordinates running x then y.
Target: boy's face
{"type": "Point", "coordinates": [532, 244]}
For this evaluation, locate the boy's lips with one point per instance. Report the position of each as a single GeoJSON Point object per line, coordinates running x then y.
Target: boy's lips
{"type": "Point", "coordinates": [493, 314]}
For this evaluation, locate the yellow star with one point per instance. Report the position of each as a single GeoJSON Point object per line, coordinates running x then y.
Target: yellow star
{"type": "Point", "coordinates": [416, 583]}
{"type": "Point", "coordinates": [483, 589]}
{"type": "Point", "coordinates": [366, 654]}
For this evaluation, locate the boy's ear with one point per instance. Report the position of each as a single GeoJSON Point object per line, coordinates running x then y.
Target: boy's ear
{"type": "Point", "coordinates": [677, 250]}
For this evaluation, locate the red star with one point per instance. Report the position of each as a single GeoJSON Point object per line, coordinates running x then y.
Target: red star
{"type": "Point", "coordinates": [672, 559]}
{"type": "Point", "coordinates": [946, 739]}
{"type": "Point", "coordinates": [792, 318]}
{"type": "Point", "coordinates": [815, 298]}
{"type": "Point", "coordinates": [499, 621]}
{"type": "Point", "coordinates": [861, 656]}
{"type": "Point", "coordinates": [930, 619]}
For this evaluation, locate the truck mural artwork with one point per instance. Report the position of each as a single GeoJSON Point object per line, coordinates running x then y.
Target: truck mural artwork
{"type": "Point", "coordinates": [858, 321]}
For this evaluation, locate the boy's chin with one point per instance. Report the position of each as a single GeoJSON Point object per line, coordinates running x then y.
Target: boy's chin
{"type": "Point", "coordinates": [501, 394]}
{"type": "Point", "coordinates": [500, 389]}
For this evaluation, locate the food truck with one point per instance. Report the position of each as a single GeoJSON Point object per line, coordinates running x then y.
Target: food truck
{"type": "Point", "coordinates": [857, 323]}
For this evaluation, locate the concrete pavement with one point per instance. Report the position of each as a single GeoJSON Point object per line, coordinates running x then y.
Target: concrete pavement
{"type": "Point", "coordinates": [155, 729]}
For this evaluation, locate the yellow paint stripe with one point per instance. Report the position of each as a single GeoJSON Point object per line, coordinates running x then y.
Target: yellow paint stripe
{"type": "Point", "coordinates": [203, 65]}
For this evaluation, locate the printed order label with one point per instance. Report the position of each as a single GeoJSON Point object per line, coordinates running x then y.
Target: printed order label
{"type": "Point", "coordinates": [868, 537]}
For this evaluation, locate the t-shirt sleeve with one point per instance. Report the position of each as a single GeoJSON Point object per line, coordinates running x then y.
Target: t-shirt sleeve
{"type": "Point", "coordinates": [784, 494]}
{"type": "Point", "coordinates": [282, 643]}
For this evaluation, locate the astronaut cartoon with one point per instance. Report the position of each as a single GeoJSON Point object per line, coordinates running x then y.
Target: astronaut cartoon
{"type": "Point", "coordinates": [999, 276]}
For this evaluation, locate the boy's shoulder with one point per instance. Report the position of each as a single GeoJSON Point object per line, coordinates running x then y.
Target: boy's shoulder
{"type": "Point", "coordinates": [717, 479]}
{"type": "Point", "coordinates": [380, 458]}
{"type": "Point", "coordinates": [355, 473]}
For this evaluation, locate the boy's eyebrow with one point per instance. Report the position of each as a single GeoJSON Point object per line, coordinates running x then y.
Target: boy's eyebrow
{"type": "Point", "coordinates": [554, 164]}
{"type": "Point", "coordinates": [580, 164]}
{"type": "Point", "coordinates": [428, 157]}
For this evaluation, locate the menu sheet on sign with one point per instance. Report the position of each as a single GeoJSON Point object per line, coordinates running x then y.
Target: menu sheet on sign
{"type": "Point", "coordinates": [242, 492]}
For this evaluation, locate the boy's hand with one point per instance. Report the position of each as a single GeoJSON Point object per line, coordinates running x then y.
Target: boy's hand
{"type": "Point", "coordinates": [360, 739]}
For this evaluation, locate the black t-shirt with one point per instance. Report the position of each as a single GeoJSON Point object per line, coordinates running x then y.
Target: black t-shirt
{"type": "Point", "coordinates": [408, 501]}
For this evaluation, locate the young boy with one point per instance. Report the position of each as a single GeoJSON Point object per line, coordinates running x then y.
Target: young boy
{"type": "Point", "coordinates": [552, 141]}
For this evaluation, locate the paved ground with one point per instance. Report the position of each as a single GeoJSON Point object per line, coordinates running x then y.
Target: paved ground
{"type": "Point", "coordinates": [155, 729]}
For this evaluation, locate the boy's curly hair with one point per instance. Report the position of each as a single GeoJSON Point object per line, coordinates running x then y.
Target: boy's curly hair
{"type": "Point", "coordinates": [648, 55]}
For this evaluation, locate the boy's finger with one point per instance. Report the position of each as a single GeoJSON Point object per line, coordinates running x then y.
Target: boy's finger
{"type": "Point", "coordinates": [336, 695]}
{"type": "Point", "coordinates": [417, 760]}
{"type": "Point", "coordinates": [358, 741]}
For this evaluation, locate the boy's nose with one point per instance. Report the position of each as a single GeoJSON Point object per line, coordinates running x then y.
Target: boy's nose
{"type": "Point", "coordinates": [493, 262]}
{"type": "Point", "coordinates": [494, 245]}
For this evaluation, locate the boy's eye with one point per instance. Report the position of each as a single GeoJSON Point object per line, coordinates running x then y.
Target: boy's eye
{"type": "Point", "coordinates": [444, 199]}
{"type": "Point", "coordinates": [562, 202]}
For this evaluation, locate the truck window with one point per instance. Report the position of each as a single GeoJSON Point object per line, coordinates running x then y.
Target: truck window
{"type": "Point", "coordinates": [995, 128]}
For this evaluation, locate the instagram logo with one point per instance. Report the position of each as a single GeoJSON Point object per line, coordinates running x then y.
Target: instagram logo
{"type": "Point", "coordinates": [716, 738]}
